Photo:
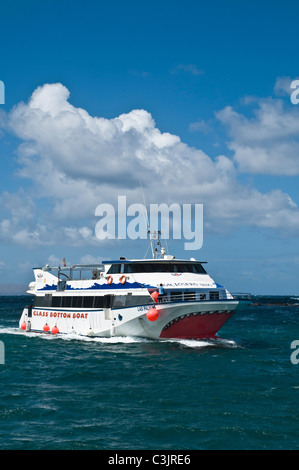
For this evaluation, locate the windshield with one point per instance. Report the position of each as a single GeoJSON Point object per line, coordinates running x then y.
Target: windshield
{"type": "Point", "coordinates": [195, 268]}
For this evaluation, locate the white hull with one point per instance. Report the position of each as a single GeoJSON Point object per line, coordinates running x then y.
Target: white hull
{"type": "Point", "coordinates": [177, 320]}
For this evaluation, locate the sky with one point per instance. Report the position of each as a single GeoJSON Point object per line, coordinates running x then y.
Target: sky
{"type": "Point", "coordinates": [185, 102]}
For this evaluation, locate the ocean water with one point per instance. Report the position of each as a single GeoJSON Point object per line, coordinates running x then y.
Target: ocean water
{"type": "Point", "coordinates": [67, 392]}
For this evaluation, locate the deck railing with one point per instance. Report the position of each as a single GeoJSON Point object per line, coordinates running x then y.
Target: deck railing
{"type": "Point", "coordinates": [191, 296]}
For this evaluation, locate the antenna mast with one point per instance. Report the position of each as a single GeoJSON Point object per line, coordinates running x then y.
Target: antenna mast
{"type": "Point", "coordinates": [157, 250]}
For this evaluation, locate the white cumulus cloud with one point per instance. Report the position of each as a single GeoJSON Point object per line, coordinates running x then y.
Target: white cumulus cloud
{"type": "Point", "coordinates": [267, 143]}
{"type": "Point", "coordinates": [76, 161]}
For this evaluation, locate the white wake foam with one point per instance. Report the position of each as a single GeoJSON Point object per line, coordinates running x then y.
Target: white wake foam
{"type": "Point", "coordinates": [188, 343]}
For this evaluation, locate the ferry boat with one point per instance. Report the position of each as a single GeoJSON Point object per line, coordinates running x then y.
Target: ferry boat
{"type": "Point", "coordinates": [121, 298]}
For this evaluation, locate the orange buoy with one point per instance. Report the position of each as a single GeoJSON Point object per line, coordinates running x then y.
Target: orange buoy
{"type": "Point", "coordinates": [109, 280]}
{"type": "Point", "coordinates": [152, 314]}
{"type": "Point", "coordinates": [123, 279]}
{"type": "Point", "coordinates": [46, 327]}
{"type": "Point", "coordinates": [155, 296]}
{"type": "Point", "coordinates": [24, 325]}
{"type": "Point", "coordinates": [55, 330]}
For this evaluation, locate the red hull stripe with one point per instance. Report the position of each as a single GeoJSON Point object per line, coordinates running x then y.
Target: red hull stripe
{"type": "Point", "coordinates": [193, 326]}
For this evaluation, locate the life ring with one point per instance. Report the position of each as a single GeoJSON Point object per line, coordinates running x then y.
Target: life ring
{"type": "Point", "coordinates": [123, 279]}
{"type": "Point", "coordinates": [109, 280]}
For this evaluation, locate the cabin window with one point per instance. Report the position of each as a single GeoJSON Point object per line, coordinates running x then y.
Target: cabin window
{"type": "Point", "coordinates": [99, 302]}
{"type": "Point", "coordinates": [135, 300]}
{"type": "Point", "coordinates": [108, 301]}
{"type": "Point", "coordinates": [114, 269]}
{"type": "Point", "coordinates": [214, 295]}
{"type": "Point", "coordinates": [176, 296]}
{"type": "Point", "coordinates": [189, 295]}
{"type": "Point", "coordinates": [87, 302]}
{"type": "Point", "coordinates": [77, 302]}
{"type": "Point", "coordinates": [119, 301]}
{"type": "Point", "coordinates": [66, 301]}
{"type": "Point", "coordinates": [127, 269]}
{"type": "Point", "coordinates": [56, 301]}
{"type": "Point", "coordinates": [43, 301]}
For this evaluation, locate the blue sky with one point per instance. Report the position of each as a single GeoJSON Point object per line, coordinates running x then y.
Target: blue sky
{"type": "Point", "coordinates": [192, 97]}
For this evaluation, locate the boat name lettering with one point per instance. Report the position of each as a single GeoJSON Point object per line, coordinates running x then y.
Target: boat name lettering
{"type": "Point", "coordinates": [142, 308]}
{"type": "Point", "coordinates": [195, 284]}
{"type": "Point", "coordinates": [38, 313]}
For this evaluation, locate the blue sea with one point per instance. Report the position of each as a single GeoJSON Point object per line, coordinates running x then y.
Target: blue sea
{"type": "Point", "coordinates": [74, 393]}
